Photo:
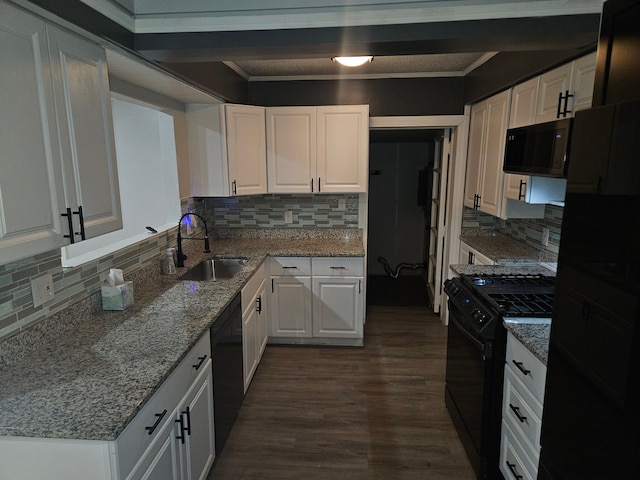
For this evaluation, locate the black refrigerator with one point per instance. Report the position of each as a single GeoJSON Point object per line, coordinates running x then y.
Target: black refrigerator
{"type": "Point", "coordinates": [591, 416]}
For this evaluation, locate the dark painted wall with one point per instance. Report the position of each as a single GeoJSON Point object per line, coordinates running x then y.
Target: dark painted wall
{"type": "Point", "coordinates": [510, 68]}
{"type": "Point", "coordinates": [386, 97]}
{"type": "Point", "coordinates": [215, 77]}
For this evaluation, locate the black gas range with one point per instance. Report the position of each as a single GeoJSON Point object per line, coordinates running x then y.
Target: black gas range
{"type": "Point", "coordinates": [476, 346]}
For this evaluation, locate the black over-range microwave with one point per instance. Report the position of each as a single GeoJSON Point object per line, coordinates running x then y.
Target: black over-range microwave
{"type": "Point", "coordinates": [540, 149]}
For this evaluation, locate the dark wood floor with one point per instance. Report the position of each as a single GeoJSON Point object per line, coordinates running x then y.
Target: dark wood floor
{"type": "Point", "coordinates": [347, 413]}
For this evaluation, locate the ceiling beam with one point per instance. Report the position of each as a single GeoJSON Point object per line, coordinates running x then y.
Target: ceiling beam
{"type": "Point", "coordinates": [519, 34]}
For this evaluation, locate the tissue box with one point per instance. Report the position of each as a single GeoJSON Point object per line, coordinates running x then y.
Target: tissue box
{"type": "Point", "coordinates": [117, 297]}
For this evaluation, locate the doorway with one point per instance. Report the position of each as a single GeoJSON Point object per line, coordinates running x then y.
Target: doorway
{"type": "Point", "coordinates": [401, 168]}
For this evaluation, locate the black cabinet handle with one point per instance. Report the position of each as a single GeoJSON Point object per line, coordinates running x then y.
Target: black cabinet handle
{"type": "Point", "coordinates": [338, 268]}
{"type": "Point", "coordinates": [563, 111]}
{"type": "Point", "coordinates": [259, 304]}
{"type": "Point", "coordinates": [521, 196]}
{"type": "Point", "coordinates": [81, 217]}
{"type": "Point", "coordinates": [289, 268]}
{"type": "Point", "coordinates": [272, 290]}
{"type": "Point", "coordinates": [319, 189]}
{"type": "Point", "coordinates": [181, 436]}
{"type": "Point", "coordinates": [188, 412]}
{"type": "Point", "coordinates": [185, 426]}
{"type": "Point", "coordinates": [312, 185]}
{"type": "Point", "coordinates": [521, 368]}
{"type": "Point", "coordinates": [512, 468]}
{"type": "Point", "coordinates": [233, 188]}
{"type": "Point", "coordinates": [201, 361]}
{"type": "Point", "coordinates": [159, 417]}
{"type": "Point", "coordinates": [516, 411]}
{"type": "Point", "coordinates": [478, 206]}
{"type": "Point", "coordinates": [359, 286]}
{"type": "Point", "coordinates": [71, 237]}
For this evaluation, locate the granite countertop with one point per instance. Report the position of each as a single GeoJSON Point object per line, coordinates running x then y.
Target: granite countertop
{"type": "Point", "coordinates": [535, 337]}
{"type": "Point", "coordinates": [466, 269]}
{"type": "Point", "coordinates": [504, 250]}
{"type": "Point", "coordinates": [89, 381]}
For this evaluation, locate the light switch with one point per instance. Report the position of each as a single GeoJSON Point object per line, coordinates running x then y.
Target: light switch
{"type": "Point", "coordinates": [42, 289]}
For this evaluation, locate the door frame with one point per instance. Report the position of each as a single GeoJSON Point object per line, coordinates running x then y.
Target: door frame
{"type": "Point", "coordinates": [455, 187]}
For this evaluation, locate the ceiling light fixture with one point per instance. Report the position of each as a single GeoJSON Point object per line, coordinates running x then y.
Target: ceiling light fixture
{"type": "Point", "coordinates": [352, 61]}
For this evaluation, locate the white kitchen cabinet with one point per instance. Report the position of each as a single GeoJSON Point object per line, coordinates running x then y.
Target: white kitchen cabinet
{"type": "Point", "coordinates": [338, 302]}
{"type": "Point", "coordinates": [290, 298]}
{"type": "Point", "coordinates": [57, 148]}
{"type": "Point", "coordinates": [227, 150]}
{"type": "Point", "coordinates": [471, 256]}
{"type": "Point", "coordinates": [488, 128]}
{"type": "Point", "coordinates": [522, 404]}
{"type": "Point", "coordinates": [575, 79]}
{"type": "Point", "coordinates": [343, 148]}
{"type": "Point", "coordinates": [291, 149]}
{"type": "Point", "coordinates": [323, 301]}
{"type": "Point", "coordinates": [318, 149]}
{"type": "Point", "coordinates": [254, 323]}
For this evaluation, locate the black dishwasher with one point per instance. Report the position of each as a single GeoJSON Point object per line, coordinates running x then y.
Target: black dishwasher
{"type": "Point", "coordinates": [228, 377]}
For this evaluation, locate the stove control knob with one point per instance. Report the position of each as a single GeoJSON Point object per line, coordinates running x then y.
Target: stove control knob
{"type": "Point", "coordinates": [479, 316]}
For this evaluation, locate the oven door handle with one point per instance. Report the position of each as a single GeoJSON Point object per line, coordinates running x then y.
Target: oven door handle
{"type": "Point", "coordinates": [477, 343]}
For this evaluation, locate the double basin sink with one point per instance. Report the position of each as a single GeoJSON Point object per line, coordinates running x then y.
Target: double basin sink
{"type": "Point", "coordinates": [213, 269]}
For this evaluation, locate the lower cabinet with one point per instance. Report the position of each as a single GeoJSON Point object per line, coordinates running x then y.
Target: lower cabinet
{"type": "Point", "coordinates": [184, 445]}
{"type": "Point", "coordinates": [523, 395]}
{"type": "Point", "coordinates": [317, 300]}
{"type": "Point", "coordinates": [255, 324]}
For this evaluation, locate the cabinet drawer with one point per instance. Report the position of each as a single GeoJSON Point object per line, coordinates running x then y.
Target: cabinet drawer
{"type": "Point", "coordinates": [136, 438]}
{"type": "Point", "coordinates": [338, 266]}
{"type": "Point", "coordinates": [515, 464]}
{"type": "Point", "coordinates": [294, 266]}
{"type": "Point", "coordinates": [522, 411]}
{"type": "Point", "coordinates": [531, 371]}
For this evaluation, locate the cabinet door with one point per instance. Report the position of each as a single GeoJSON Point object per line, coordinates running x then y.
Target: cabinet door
{"type": "Point", "coordinates": [249, 344]}
{"type": "Point", "coordinates": [524, 99]}
{"type": "Point", "coordinates": [475, 153]}
{"type": "Point", "coordinates": [337, 307]}
{"type": "Point", "coordinates": [496, 132]}
{"type": "Point", "coordinates": [291, 149]}
{"type": "Point", "coordinates": [31, 186]}
{"type": "Point", "coordinates": [83, 109]}
{"type": "Point", "coordinates": [291, 307]}
{"type": "Point", "coordinates": [552, 84]}
{"type": "Point", "coordinates": [583, 80]}
{"type": "Point", "coordinates": [263, 320]}
{"type": "Point", "coordinates": [343, 148]}
{"type": "Point", "coordinates": [246, 149]}
{"type": "Point", "coordinates": [161, 460]}
{"type": "Point", "coordinates": [197, 414]}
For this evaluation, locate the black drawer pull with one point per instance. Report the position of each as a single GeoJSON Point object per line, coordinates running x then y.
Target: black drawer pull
{"type": "Point", "coordinates": [521, 368]}
{"type": "Point", "coordinates": [159, 418]}
{"type": "Point", "coordinates": [338, 268]}
{"type": "Point", "coordinates": [512, 467]}
{"type": "Point", "coordinates": [259, 304]}
{"type": "Point", "coordinates": [199, 364]}
{"type": "Point", "coordinates": [287, 268]}
{"type": "Point", "coordinates": [516, 411]}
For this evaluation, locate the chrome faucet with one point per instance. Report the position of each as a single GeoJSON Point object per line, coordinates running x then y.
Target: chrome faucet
{"type": "Point", "coordinates": [181, 257]}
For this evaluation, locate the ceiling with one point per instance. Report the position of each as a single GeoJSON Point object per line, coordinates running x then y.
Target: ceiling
{"type": "Point", "coordinates": [295, 39]}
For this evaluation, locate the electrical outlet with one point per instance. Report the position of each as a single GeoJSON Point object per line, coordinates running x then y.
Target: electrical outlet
{"type": "Point", "coordinates": [42, 289]}
{"type": "Point", "coordinates": [342, 204]}
{"type": "Point", "coordinates": [545, 236]}
{"type": "Point", "coordinates": [288, 216]}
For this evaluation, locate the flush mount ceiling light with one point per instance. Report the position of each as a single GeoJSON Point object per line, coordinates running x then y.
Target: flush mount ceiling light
{"type": "Point", "coordinates": [352, 61]}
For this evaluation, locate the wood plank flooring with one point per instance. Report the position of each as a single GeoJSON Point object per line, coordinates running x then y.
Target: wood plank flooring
{"type": "Point", "coordinates": [351, 413]}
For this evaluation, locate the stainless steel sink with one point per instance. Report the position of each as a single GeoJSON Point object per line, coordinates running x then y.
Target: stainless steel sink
{"type": "Point", "coordinates": [215, 269]}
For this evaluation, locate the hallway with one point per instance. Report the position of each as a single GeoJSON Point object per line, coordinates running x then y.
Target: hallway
{"type": "Point", "coordinates": [344, 413]}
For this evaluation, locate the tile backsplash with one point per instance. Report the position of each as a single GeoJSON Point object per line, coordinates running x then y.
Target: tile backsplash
{"type": "Point", "coordinates": [268, 211]}
{"type": "Point", "coordinates": [526, 230]}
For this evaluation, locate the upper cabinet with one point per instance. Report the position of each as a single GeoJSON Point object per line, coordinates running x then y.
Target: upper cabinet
{"type": "Point", "coordinates": [487, 134]}
{"type": "Point", "coordinates": [58, 178]}
{"type": "Point", "coordinates": [318, 149]}
{"type": "Point", "coordinates": [227, 148]}
{"type": "Point", "coordinates": [566, 89]}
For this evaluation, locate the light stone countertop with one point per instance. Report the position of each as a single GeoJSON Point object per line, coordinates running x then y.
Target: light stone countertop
{"type": "Point", "coordinates": [535, 337]}
{"type": "Point", "coordinates": [89, 379]}
{"type": "Point", "coordinates": [504, 250]}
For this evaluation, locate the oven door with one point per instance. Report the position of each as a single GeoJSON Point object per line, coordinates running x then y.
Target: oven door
{"type": "Point", "coordinates": [468, 377]}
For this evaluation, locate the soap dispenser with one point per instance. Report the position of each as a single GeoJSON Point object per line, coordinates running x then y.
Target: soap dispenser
{"type": "Point", "coordinates": [167, 266]}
